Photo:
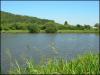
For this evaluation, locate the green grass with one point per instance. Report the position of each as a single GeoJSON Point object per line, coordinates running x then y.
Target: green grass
{"type": "Point", "coordinates": [87, 64]}
{"type": "Point", "coordinates": [18, 31]}
{"type": "Point", "coordinates": [78, 31]}
{"type": "Point", "coordinates": [59, 31]}
{"type": "Point", "coordinates": [15, 31]}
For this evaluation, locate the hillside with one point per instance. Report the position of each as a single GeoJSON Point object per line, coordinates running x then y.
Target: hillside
{"type": "Point", "coordinates": [13, 21]}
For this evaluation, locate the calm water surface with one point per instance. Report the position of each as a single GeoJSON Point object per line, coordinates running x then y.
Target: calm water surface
{"type": "Point", "coordinates": [37, 46]}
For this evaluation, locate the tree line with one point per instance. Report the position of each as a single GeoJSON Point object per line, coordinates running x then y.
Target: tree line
{"type": "Point", "coordinates": [11, 21]}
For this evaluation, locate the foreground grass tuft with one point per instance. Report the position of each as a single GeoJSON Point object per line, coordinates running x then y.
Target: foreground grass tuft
{"type": "Point", "coordinates": [87, 64]}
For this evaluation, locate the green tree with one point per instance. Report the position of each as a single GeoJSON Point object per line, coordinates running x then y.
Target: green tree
{"type": "Point", "coordinates": [97, 25]}
{"type": "Point", "coordinates": [62, 27]}
{"type": "Point", "coordinates": [42, 27]}
{"type": "Point", "coordinates": [79, 27]}
{"type": "Point", "coordinates": [51, 28]}
{"type": "Point", "coordinates": [87, 27]}
{"type": "Point", "coordinates": [66, 23]}
{"type": "Point", "coordinates": [71, 27]}
{"type": "Point", "coordinates": [11, 21]}
{"type": "Point", "coordinates": [34, 28]}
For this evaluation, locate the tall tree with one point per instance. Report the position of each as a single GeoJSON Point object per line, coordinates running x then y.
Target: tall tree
{"type": "Point", "coordinates": [66, 23]}
{"type": "Point", "coordinates": [87, 26]}
{"type": "Point", "coordinates": [97, 25]}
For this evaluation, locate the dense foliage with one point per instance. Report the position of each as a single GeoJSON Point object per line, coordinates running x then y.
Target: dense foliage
{"type": "Point", "coordinates": [97, 25]}
{"type": "Point", "coordinates": [66, 23]}
{"type": "Point", "coordinates": [34, 28]}
{"type": "Point", "coordinates": [51, 27]}
{"type": "Point", "coordinates": [11, 21]}
{"type": "Point", "coordinates": [17, 22]}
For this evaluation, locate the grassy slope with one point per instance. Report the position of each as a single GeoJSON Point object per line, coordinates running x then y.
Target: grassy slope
{"type": "Point", "coordinates": [87, 64]}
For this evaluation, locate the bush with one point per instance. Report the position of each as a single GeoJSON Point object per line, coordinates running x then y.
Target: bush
{"type": "Point", "coordinates": [87, 27]}
{"type": "Point", "coordinates": [79, 27]}
{"type": "Point", "coordinates": [34, 28]}
{"type": "Point", "coordinates": [42, 27]}
{"type": "Point", "coordinates": [62, 27]}
{"type": "Point", "coordinates": [51, 28]}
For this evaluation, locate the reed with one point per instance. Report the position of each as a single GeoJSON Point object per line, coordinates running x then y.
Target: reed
{"type": "Point", "coordinates": [87, 64]}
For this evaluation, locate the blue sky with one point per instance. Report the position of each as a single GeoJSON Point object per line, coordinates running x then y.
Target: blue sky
{"type": "Point", "coordinates": [75, 12]}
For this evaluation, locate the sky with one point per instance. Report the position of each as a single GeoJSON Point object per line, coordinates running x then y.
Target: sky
{"type": "Point", "coordinates": [74, 12]}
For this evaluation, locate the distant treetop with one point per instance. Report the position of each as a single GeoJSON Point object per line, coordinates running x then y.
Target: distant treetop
{"type": "Point", "coordinates": [66, 23]}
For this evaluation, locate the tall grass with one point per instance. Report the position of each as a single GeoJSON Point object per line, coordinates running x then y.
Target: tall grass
{"type": "Point", "coordinates": [87, 64]}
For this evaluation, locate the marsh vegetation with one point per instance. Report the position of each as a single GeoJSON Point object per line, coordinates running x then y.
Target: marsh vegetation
{"type": "Point", "coordinates": [87, 64]}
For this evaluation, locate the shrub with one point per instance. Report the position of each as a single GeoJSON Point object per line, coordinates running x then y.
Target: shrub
{"type": "Point", "coordinates": [79, 27]}
{"type": "Point", "coordinates": [62, 27]}
{"type": "Point", "coordinates": [51, 28]}
{"type": "Point", "coordinates": [87, 27]}
{"type": "Point", "coordinates": [34, 28]}
{"type": "Point", "coordinates": [42, 27]}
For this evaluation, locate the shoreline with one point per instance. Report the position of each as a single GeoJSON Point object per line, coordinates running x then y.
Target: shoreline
{"type": "Point", "coordinates": [59, 31]}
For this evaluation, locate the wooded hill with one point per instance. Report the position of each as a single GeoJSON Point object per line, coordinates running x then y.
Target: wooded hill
{"type": "Point", "coordinates": [11, 21]}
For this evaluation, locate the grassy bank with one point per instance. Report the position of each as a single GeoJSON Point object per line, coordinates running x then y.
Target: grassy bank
{"type": "Point", "coordinates": [59, 31]}
{"type": "Point", "coordinates": [77, 31]}
{"type": "Point", "coordinates": [15, 31]}
{"type": "Point", "coordinates": [87, 64]}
